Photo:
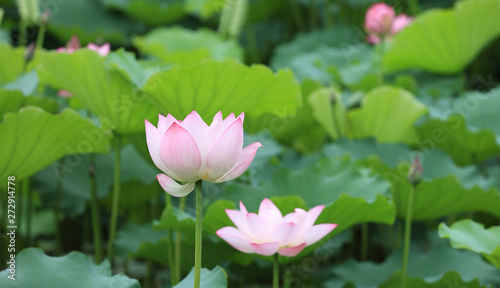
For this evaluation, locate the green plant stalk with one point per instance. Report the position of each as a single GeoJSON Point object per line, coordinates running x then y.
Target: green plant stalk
{"type": "Point", "coordinates": [116, 199]}
{"type": "Point", "coordinates": [40, 37]}
{"type": "Point", "coordinates": [178, 242]}
{"type": "Point", "coordinates": [328, 15]}
{"type": "Point", "coordinates": [23, 32]}
{"type": "Point", "coordinates": [413, 7]}
{"type": "Point", "coordinates": [364, 241]}
{"type": "Point", "coordinates": [198, 237]}
{"type": "Point", "coordinates": [381, 62]}
{"type": "Point", "coordinates": [57, 208]}
{"type": "Point", "coordinates": [276, 271]}
{"type": "Point", "coordinates": [409, 215]}
{"type": "Point", "coordinates": [313, 15]}
{"type": "Point", "coordinates": [252, 45]}
{"type": "Point", "coordinates": [94, 207]}
{"type": "Point", "coordinates": [297, 16]}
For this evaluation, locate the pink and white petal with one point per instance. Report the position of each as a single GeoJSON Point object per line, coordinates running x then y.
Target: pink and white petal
{"type": "Point", "coordinates": [233, 236]}
{"type": "Point", "coordinates": [200, 132]}
{"type": "Point", "coordinates": [179, 152]}
{"type": "Point", "coordinates": [292, 251]}
{"type": "Point", "coordinates": [286, 233]}
{"type": "Point", "coordinates": [258, 228]}
{"type": "Point", "coordinates": [225, 151]}
{"type": "Point", "coordinates": [245, 159]}
{"type": "Point", "coordinates": [229, 120]}
{"type": "Point", "coordinates": [266, 249]}
{"type": "Point", "coordinates": [217, 126]}
{"type": "Point", "coordinates": [240, 220]}
{"type": "Point", "coordinates": [173, 188]}
{"type": "Point", "coordinates": [243, 209]}
{"type": "Point", "coordinates": [312, 215]}
{"type": "Point", "coordinates": [316, 232]}
{"type": "Point", "coordinates": [270, 212]}
{"type": "Point", "coordinates": [299, 217]}
{"type": "Point", "coordinates": [153, 140]}
{"type": "Point", "coordinates": [165, 122]}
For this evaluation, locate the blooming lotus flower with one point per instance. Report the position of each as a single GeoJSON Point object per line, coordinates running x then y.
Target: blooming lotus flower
{"type": "Point", "coordinates": [103, 50]}
{"type": "Point", "coordinates": [269, 232]}
{"type": "Point", "coordinates": [190, 150]}
{"type": "Point", "coordinates": [379, 18]}
{"type": "Point", "coordinates": [400, 22]}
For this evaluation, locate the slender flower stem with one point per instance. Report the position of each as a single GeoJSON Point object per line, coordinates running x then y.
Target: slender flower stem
{"type": "Point", "coordinates": [178, 242]}
{"type": "Point", "coordinates": [297, 16]}
{"type": "Point", "coordinates": [116, 199]}
{"type": "Point", "coordinates": [381, 62]}
{"type": "Point", "coordinates": [364, 241]}
{"type": "Point", "coordinates": [23, 32]}
{"type": "Point", "coordinates": [170, 247]}
{"type": "Point", "coordinates": [57, 208]}
{"type": "Point", "coordinates": [328, 14]}
{"type": "Point", "coordinates": [409, 215]}
{"type": "Point", "coordinates": [313, 16]}
{"type": "Point", "coordinates": [40, 37]}
{"type": "Point", "coordinates": [94, 207]}
{"type": "Point", "coordinates": [276, 271]}
{"type": "Point", "coordinates": [198, 238]}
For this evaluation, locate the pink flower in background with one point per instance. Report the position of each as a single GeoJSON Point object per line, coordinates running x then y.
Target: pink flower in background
{"type": "Point", "coordinates": [72, 45]}
{"type": "Point", "coordinates": [379, 18]}
{"type": "Point", "coordinates": [269, 232]}
{"type": "Point", "coordinates": [190, 150]}
{"type": "Point", "coordinates": [382, 23]}
{"type": "Point", "coordinates": [102, 50]}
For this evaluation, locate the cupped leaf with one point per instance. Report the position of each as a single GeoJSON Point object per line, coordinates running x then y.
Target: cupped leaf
{"type": "Point", "coordinates": [105, 92]}
{"type": "Point", "coordinates": [12, 60]}
{"type": "Point", "coordinates": [470, 235]}
{"type": "Point", "coordinates": [35, 269]}
{"type": "Point", "coordinates": [227, 86]}
{"type": "Point", "coordinates": [35, 138]}
{"type": "Point", "coordinates": [329, 111]}
{"type": "Point", "coordinates": [450, 278]}
{"type": "Point", "coordinates": [179, 45]}
{"type": "Point", "coordinates": [88, 20]}
{"type": "Point", "coordinates": [469, 131]}
{"type": "Point", "coordinates": [10, 101]}
{"type": "Point", "coordinates": [215, 278]}
{"type": "Point", "coordinates": [388, 114]}
{"type": "Point", "coordinates": [445, 41]}
{"type": "Point", "coordinates": [151, 12]}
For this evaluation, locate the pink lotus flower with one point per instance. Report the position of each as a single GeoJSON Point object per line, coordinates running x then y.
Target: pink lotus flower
{"type": "Point", "coordinates": [379, 18]}
{"type": "Point", "coordinates": [74, 44]}
{"type": "Point", "coordinates": [269, 232]}
{"type": "Point", "coordinates": [102, 50]}
{"type": "Point", "coordinates": [190, 150]}
{"type": "Point", "coordinates": [399, 23]}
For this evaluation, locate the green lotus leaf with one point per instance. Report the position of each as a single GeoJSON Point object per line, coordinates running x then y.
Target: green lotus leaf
{"type": "Point", "coordinates": [182, 46]}
{"type": "Point", "coordinates": [105, 92]}
{"type": "Point", "coordinates": [151, 12]}
{"type": "Point", "coordinates": [388, 114]}
{"type": "Point", "coordinates": [227, 86]}
{"type": "Point", "coordinates": [10, 101]}
{"type": "Point", "coordinates": [28, 148]}
{"type": "Point", "coordinates": [445, 40]}
{"type": "Point", "coordinates": [12, 60]}
{"type": "Point", "coordinates": [329, 111]}
{"type": "Point", "coordinates": [35, 269]}
{"type": "Point", "coordinates": [470, 235]}
{"type": "Point", "coordinates": [215, 278]}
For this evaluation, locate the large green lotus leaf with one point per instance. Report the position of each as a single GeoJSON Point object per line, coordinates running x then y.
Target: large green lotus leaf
{"type": "Point", "coordinates": [34, 138]}
{"type": "Point", "coordinates": [35, 269]}
{"type": "Point", "coordinates": [151, 12]}
{"type": "Point", "coordinates": [445, 41]}
{"type": "Point", "coordinates": [105, 92]}
{"type": "Point", "coordinates": [470, 235]}
{"type": "Point", "coordinates": [215, 278]}
{"type": "Point", "coordinates": [27, 83]}
{"type": "Point", "coordinates": [10, 101]}
{"type": "Point", "coordinates": [12, 60]}
{"type": "Point", "coordinates": [450, 278]}
{"type": "Point", "coordinates": [88, 20]}
{"type": "Point", "coordinates": [329, 111]}
{"type": "Point", "coordinates": [424, 268]}
{"type": "Point", "coordinates": [182, 46]}
{"type": "Point", "coordinates": [388, 114]}
{"type": "Point", "coordinates": [204, 8]}
{"type": "Point", "coordinates": [227, 86]}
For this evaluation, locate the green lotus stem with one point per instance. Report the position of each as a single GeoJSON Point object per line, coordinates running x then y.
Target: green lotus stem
{"type": "Point", "coordinates": [40, 37]}
{"type": "Point", "coordinates": [381, 62]}
{"type": "Point", "coordinates": [297, 16]}
{"type": "Point", "coordinates": [328, 15]}
{"type": "Point", "coordinates": [409, 214]}
{"type": "Point", "coordinates": [57, 208]}
{"type": "Point", "coordinates": [23, 32]}
{"type": "Point", "coordinates": [276, 271]}
{"type": "Point", "coordinates": [252, 45]}
{"type": "Point", "coordinates": [313, 15]}
{"type": "Point", "coordinates": [116, 199]}
{"type": "Point", "coordinates": [178, 242]}
{"type": "Point", "coordinates": [287, 281]}
{"type": "Point", "coordinates": [198, 238]}
{"type": "Point", "coordinates": [94, 207]}
{"type": "Point", "coordinates": [364, 241]}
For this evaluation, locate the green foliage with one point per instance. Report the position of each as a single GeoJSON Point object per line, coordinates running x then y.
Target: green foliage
{"type": "Point", "coordinates": [215, 278]}
{"type": "Point", "coordinates": [470, 235]}
{"type": "Point", "coordinates": [27, 148]}
{"type": "Point", "coordinates": [459, 33]}
{"type": "Point", "coordinates": [35, 269]}
{"type": "Point", "coordinates": [151, 12]}
{"type": "Point", "coordinates": [12, 63]}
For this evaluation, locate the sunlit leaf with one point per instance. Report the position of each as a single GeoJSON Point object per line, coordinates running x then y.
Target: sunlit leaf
{"type": "Point", "coordinates": [215, 278]}
{"type": "Point", "coordinates": [12, 60]}
{"type": "Point", "coordinates": [329, 111]}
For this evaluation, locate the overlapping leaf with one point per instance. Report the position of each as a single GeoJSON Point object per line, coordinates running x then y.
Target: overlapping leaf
{"type": "Point", "coordinates": [28, 148]}
{"type": "Point", "coordinates": [12, 60]}
{"type": "Point", "coordinates": [215, 278]}
{"type": "Point", "coordinates": [470, 235]}
{"type": "Point", "coordinates": [35, 269]}
{"type": "Point", "coordinates": [445, 41]}
{"type": "Point", "coordinates": [227, 86]}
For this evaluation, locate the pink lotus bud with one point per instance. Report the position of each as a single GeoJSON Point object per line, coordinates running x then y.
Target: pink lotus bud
{"type": "Point", "coordinates": [102, 50]}
{"type": "Point", "coordinates": [72, 45]}
{"type": "Point", "coordinates": [64, 94]}
{"type": "Point", "coordinates": [269, 232]}
{"type": "Point", "coordinates": [400, 22]}
{"type": "Point", "coordinates": [416, 173]}
{"type": "Point", "coordinates": [379, 18]}
{"type": "Point", "coordinates": [190, 150]}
